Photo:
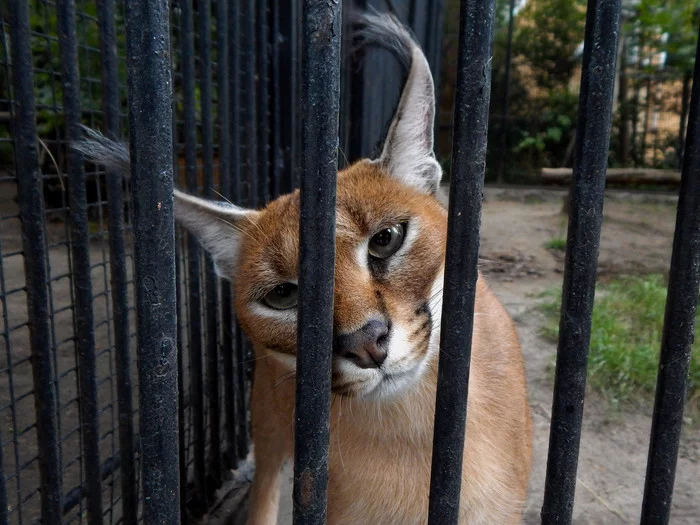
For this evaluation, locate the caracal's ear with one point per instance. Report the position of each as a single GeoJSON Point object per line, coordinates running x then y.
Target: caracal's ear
{"type": "Point", "coordinates": [217, 226]}
{"type": "Point", "coordinates": [408, 147]}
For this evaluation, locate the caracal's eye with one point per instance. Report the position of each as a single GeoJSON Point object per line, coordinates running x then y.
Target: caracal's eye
{"type": "Point", "coordinates": [282, 297]}
{"type": "Point", "coordinates": [386, 242]}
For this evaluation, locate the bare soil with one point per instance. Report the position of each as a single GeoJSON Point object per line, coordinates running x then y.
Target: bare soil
{"type": "Point", "coordinates": [636, 237]}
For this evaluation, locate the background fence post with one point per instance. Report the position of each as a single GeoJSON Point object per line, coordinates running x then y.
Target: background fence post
{"type": "Point", "coordinates": [187, 62]}
{"type": "Point", "coordinates": [211, 285]}
{"type": "Point", "coordinates": [31, 210]}
{"type": "Point", "coordinates": [117, 265]}
{"type": "Point", "coordinates": [150, 109]}
{"type": "Point", "coordinates": [83, 317]}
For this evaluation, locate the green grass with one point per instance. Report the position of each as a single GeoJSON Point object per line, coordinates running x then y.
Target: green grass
{"type": "Point", "coordinates": [556, 244]}
{"type": "Point", "coordinates": [625, 338]}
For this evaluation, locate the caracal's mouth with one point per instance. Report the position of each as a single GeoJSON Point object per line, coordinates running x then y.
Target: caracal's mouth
{"type": "Point", "coordinates": [394, 378]}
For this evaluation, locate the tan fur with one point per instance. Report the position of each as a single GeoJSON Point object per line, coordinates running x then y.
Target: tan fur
{"type": "Point", "coordinates": [380, 449]}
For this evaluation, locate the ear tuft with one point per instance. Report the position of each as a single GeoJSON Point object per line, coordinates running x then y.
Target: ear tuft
{"type": "Point", "coordinates": [408, 148]}
{"type": "Point", "coordinates": [217, 226]}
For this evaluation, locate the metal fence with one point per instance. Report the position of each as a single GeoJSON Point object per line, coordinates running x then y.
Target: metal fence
{"type": "Point", "coordinates": [214, 108]}
{"type": "Point", "coordinates": [213, 90]}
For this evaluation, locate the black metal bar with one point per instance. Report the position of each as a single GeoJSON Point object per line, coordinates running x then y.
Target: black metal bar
{"type": "Point", "coordinates": [3, 491]}
{"type": "Point", "coordinates": [118, 262]}
{"type": "Point", "coordinates": [182, 457]}
{"type": "Point", "coordinates": [679, 329]}
{"type": "Point", "coordinates": [249, 37]}
{"type": "Point", "coordinates": [466, 188]}
{"type": "Point", "coordinates": [435, 49]}
{"type": "Point", "coordinates": [80, 257]}
{"type": "Point", "coordinates": [211, 284]}
{"type": "Point", "coordinates": [243, 62]}
{"type": "Point", "coordinates": [320, 105]}
{"type": "Point", "coordinates": [180, 279]}
{"type": "Point", "coordinates": [263, 94]}
{"type": "Point", "coordinates": [506, 95]}
{"type": "Point", "coordinates": [288, 88]}
{"type": "Point", "coordinates": [582, 247]}
{"type": "Point", "coordinates": [297, 79]}
{"type": "Point", "coordinates": [433, 42]}
{"type": "Point", "coordinates": [194, 326]}
{"type": "Point", "coordinates": [241, 375]}
{"type": "Point", "coordinates": [229, 169]}
{"type": "Point", "coordinates": [235, 113]}
{"type": "Point", "coordinates": [276, 156]}
{"type": "Point", "coordinates": [150, 107]}
{"type": "Point", "coordinates": [31, 211]}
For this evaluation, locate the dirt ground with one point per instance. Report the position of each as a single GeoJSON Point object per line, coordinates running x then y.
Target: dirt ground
{"type": "Point", "coordinates": [637, 237]}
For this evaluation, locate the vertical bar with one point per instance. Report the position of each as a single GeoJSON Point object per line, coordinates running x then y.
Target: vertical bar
{"type": "Point", "coordinates": [433, 40]}
{"type": "Point", "coordinates": [297, 79]}
{"type": "Point", "coordinates": [287, 96]}
{"type": "Point", "coordinates": [80, 257]}
{"type": "Point", "coordinates": [3, 491]}
{"type": "Point", "coordinates": [242, 360]}
{"type": "Point", "coordinates": [435, 49]}
{"type": "Point", "coordinates": [194, 326]}
{"type": "Point", "coordinates": [679, 329]}
{"type": "Point", "coordinates": [356, 105]}
{"type": "Point", "coordinates": [506, 95]}
{"type": "Point", "coordinates": [234, 73]}
{"type": "Point", "coordinates": [582, 247]}
{"type": "Point", "coordinates": [180, 306]}
{"type": "Point", "coordinates": [245, 67]}
{"type": "Point", "coordinates": [151, 134]}
{"type": "Point", "coordinates": [31, 204]}
{"type": "Point", "coordinates": [464, 217]}
{"type": "Point", "coordinates": [263, 94]}
{"type": "Point", "coordinates": [277, 161]}
{"type": "Point", "coordinates": [320, 100]}
{"type": "Point", "coordinates": [247, 15]}
{"type": "Point", "coordinates": [211, 313]}
{"type": "Point", "coordinates": [117, 264]}
{"type": "Point", "coordinates": [182, 456]}
{"type": "Point", "coordinates": [229, 169]}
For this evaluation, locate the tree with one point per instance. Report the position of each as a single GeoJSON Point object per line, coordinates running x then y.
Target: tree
{"type": "Point", "coordinates": [548, 38]}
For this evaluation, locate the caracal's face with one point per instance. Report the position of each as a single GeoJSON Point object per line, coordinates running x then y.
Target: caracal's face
{"type": "Point", "coordinates": [390, 244]}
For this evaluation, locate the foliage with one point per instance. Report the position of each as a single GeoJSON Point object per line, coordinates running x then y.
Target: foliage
{"type": "Point", "coordinates": [625, 338]}
{"type": "Point", "coordinates": [543, 83]}
{"type": "Point", "coordinates": [558, 244]}
{"type": "Point", "coordinates": [553, 127]}
{"type": "Point", "coordinates": [678, 19]}
{"type": "Point", "coordinates": [48, 90]}
{"type": "Point", "coordinates": [548, 36]}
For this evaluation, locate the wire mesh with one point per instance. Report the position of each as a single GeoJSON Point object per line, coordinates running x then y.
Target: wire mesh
{"type": "Point", "coordinates": [243, 120]}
